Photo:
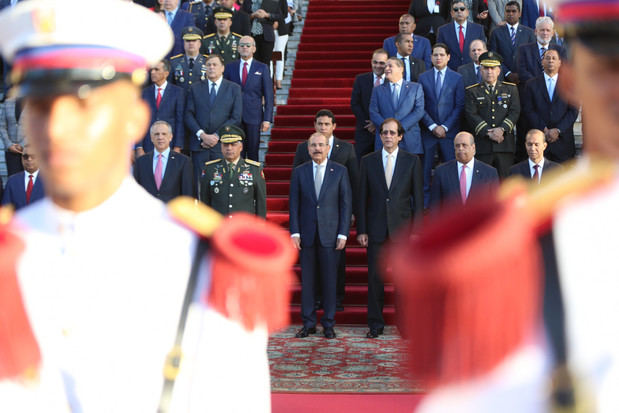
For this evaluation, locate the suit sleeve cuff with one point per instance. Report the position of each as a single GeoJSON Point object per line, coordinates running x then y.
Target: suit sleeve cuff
{"type": "Point", "coordinates": [446, 128]}
{"type": "Point", "coordinates": [340, 236]}
{"type": "Point", "coordinates": [431, 127]}
{"type": "Point", "coordinates": [198, 133]}
{"type": "Point", "coordinates": [295, 235]}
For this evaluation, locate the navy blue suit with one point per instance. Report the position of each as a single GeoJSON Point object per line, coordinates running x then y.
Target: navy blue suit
{"type": "Point", "coordinates": [523, 169]}
{"type": "Point", "coordinates": [446, 182]}
{"type": "Point", "coordinates": [446, 110]}
{"type": "Point", "coordinates": [360, 106]}
{"type": "Point", "coordinates": [409, 112]}
{"type": "Point", "coordinates": [501, 42]}
{"type": "Point", "coordinates": [447, 35]}
{"type": "Point", "coordinates": [199, 114]}
{"type": "Point", "coordinates": [177, 178]}
{"type": "Point", "coordinates": [181, 20]}
{"type": "Point", "coordinates": [528, 62]}
{"type": "Point", "coordinates": [421, 48]}
{"type": "Point", "coordinates": [257, 86]}
{"type": "Point", "coordinates": [530, 13]}
{"type": "Point", "coordinates": [15, 191]}
{"type": "Point", "coordinates": [469, 77]}
{"type": "Point", "coordinates": [171, 109]}
{"type": "Point", "coordinates": [319, 221]}
{"type": "Point", "coordinates": [540, 112]}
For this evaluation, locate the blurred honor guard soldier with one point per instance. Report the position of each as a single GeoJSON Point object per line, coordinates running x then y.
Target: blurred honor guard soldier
{"type": "Point", "coordinates": [233, 184]}
{"type": "Point", "coordinates": [254, 77]}
{"type": "Point", "coordinates": [202, 12]}
{"type": "Point", "coordinates": [190, 67]}
{"type": "Point", "coordinates": [491, 109]}
{"type": "Point", "coordinates": [223, 42]}
{"type": "Point", "coordinates": [167, 103]}
{"type": "Point", "coordinates": [73, 314]}
{"type": "Point", "coordinates": [165, 174]}
{"type": "Point", "coordinates": [211, 104]}
{"type": "Point", "coordinates": [23, 188]}
{"type": "Point", "coordinates": [360, 103]}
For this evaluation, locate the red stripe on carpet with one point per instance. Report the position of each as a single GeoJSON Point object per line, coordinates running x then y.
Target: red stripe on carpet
{"type": "Point", "coordinates": [343, 403]}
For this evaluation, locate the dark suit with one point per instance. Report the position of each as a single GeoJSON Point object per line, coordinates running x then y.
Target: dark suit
{"type": "Point", "coordinates": [446, 110]}
{"type": "Point", "coordinates": [171, 109]}
{"type": "Point", "coordinates": [523, 169]}
{"type": "Point", "coordinates": [360, 105]}
{"type": "Point", "coordinates": [15, 191]}
{"type": "Point", "coordinates": [530, 13]}
{"type": "Point", "coordinates": [409, 112]}
{"type": "Point", "coordinates": [181, 20]}
{"type": "Point", "coordinates": [415, 68]}
{"type": "Point", "coordinates": [469, 77]}
{"type": "Point", "coordinates": [258, 86]}
{"type": "Point", "coordinates": [540, 112]}
{"type": "Point", "coordinates": [427, 23]}
{"type": "Point", "coordinates": [319, 221]}
{"type": "Point", "coordinates": [177, 178]}
{"type": "Point", "coordinates": [501, 42]}
{"type": "Point", "coordinates": [528, 62]}
{"type": "Point", "coordinates": [383, 212]}
{"type": "Point", "coordinates": [447, 35]}
{"type": "Point", "coordinates": [421, 48]}
{"type": "Point", "coordinates": [446, 182]}
{"type": "Point", "coordinates": [226, 110]}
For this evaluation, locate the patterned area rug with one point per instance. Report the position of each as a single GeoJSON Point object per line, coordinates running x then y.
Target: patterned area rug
{"type": "Point", "coordinates": [351, 363]}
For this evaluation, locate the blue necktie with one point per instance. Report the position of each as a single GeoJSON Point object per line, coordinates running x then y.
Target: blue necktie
{"type": "Point", "coordinates": [478, 74]}
{"type": "Point", "coordinates": [169, 17]}
{"type": "Point", "coordinates": [439, 84]}
{"type": "Point", "coordinates": [406, 77]}
{"type": "Point", "coordinates": [513, 36]}
{"type": "Point", "coordinates": [394, 96]}
{"type": "Point", "coordinates": [541, 52]}
{"type": "Point", "coordinates": [212, 95]}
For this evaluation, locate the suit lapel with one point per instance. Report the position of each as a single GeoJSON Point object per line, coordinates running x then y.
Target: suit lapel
{"type": "Point", "coordinates": [398, 171]}
{"type": "Point", "coordinates": [403, 92]}
{"type": "Point", "coordinates": [151, 173]}
{"type": "Point", "coordinates": [220, 92]}
{"type": "Point", "coordinates": [543, 89]}
{"type": "Point", "coordinates": [169, 166]}
{"type": "Point", "coordinates": [309, 174]}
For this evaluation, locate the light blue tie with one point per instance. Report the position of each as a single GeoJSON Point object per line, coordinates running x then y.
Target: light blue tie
{"type": "Point", "coordinates": [394, 96]}
{"type": "Point", "coordinates": [169, 17]}
{"type": "Point", "coordinates": [551, 88]}
{"type": "Point", "coordinates": [439, 84]}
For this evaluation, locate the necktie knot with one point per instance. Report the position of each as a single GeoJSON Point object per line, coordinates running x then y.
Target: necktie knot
{"type": "Point", "coordinates": [191, 60]}
{"type": "Point", "coordinates": [30, 176]}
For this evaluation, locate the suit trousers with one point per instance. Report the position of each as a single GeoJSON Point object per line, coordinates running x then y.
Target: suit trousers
{"type": "Point", "coordinates": [318, 262]}
{"type": "Point", "coordinates": [264, 49]}
{"type": "Point", "coordinates": [502, 161]}
{"type": "Point", "coordinates": [364, 144]}
{"type": "Point", "coordinates": [341, 281]}
{"type": "Point", "coordinates": [13, 163]}
{"type": "Point", "coordinates": [430, 145]}
{"type": "Point", "coordinates": [199, 158]}
{"type": "Point", "coordinates": [376, 287]}
{"type": "Point", "coordinates": [251, 143]}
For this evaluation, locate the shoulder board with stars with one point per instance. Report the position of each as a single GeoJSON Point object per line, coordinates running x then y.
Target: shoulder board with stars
{"type": "Point", "coordinates": [236, 34]}
{"type": "Point", "coordinates": [209, 35]}
{"type": "Point", "coordinates": [509, 83]}
{"type": "Point", "coordinates": [476, 84]}
{"type": "Point", "coordinates": [212, 162]}
{"type": "Point", "coordinates": [252, 162]}
{"type": "Point", "coordinates": [177, 56]}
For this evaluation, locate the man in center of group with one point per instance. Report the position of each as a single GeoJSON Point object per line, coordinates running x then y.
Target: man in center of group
{"type": "Point", "coordinates": [320, 211]}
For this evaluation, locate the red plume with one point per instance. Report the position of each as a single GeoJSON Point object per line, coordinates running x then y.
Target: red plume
{"type": "Point", "coordinates": [252, 272]}
{"type": "Point", "coordinates": [19, 351]}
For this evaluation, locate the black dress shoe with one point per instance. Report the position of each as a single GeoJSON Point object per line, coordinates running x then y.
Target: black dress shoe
{"type": "Point", "coordinates": [374, 332]}
{"type": "Point", "coordinates": [305, 331]}
{"type": "Point", "coordinates": [329, 332]}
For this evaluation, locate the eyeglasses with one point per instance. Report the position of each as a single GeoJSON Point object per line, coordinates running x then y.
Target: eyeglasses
{"type": "Point", "coordinates": [459, 9]}
{"type": "Point", "coordinates": [376, 62]}
{"type": "Point", "coordinates": [27, 157]}
{"type": "Point", "coordinates": [389, 132]}
{"type": "Point", "coordinates": [245, 45]}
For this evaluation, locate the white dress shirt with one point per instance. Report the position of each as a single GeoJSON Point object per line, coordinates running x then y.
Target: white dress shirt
{"type": "Point", "coordinates": [539, 170]}
{"type": "Point", "coordinates": [164, 160]}
{"type": "Point", "coordinates": [27, 174]}
{"type": "Point", "coordinates": [457, 26]}
{"type": "Point", "coordinates": [251, 59]}
{"type": "Point", "coordinates": [394, 155]}
{"type": "Point", "coordinates": [469, 174]}
{"type": "Point", "coordinates": [162, 87]}
{"type": "Point", "coordinates": [382, 78]}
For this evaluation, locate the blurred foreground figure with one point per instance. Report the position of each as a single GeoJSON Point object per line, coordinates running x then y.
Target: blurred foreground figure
{"type": "Point", "coordinates": [510, 303]}
{"type": "Point", "coordinates": [111, 301]}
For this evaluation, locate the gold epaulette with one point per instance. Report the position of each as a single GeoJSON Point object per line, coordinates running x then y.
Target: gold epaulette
{"type": "Point", "coordinates": [236, 34]}
{"type": "Point", "coordinates": [509, 83]}
{"type": "Point", "coordinates": [205, 55]}
{"type": "Point", "coordinates": [195, 215]}
{"type": "Point", "coordinates": [209, 35]}
{"type": "Point", "coordinates": [212, 162]}
{"type": "Point", "coordinates": [6, 213]}
{"type": "Point", "coordinates": [252, 162]}
{"type": "Point", "coordinates": [177, 56]}
{"type": "Point", "coordinates": [468, 87]}
{"type": "Point", "coordinates": [574, 180]}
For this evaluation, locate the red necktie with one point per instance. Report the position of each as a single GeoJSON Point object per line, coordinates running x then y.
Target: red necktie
{"type": "Point", "coordinates": [463, 184]}
{"type": "Point", "coordinates": [29, 189]}
{"type": "Point", "coordinates": [535, 176]}
{"type": "Point", "coordinates": [244, 78]}
{"type": "Point", "coordinates": [377, 81]}
{"type": "Point", "coordinates": [158, 97]}
{"type": "Point", "coordinates": [461, 40]}
{"type": "Point", "coordinates": [541, 9]}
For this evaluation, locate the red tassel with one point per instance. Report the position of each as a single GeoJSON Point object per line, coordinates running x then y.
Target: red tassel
{"type": "Point", "coordinates": [251, 277]}
{"type": "Point", "coordinates": [470, 288]}
{"type": "Point", "coordinates": [19, 351]}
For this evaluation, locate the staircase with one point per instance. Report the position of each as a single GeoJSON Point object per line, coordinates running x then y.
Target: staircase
{"type": "Point", "coordinates": [336, 44]}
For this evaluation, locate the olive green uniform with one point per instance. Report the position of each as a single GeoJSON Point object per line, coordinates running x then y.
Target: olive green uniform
{"type": "Point", "coordinates": [242, 190]}
{"type": "Point", "coordinates": [227, 48]}
{"type": "Point", "coordinates": [485, 110]}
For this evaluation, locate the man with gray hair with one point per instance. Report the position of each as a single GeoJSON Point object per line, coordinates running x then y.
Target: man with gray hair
{"type": "Point", "coordinates": [165, 174]}
{"type": "Point", "coordinates": [529, 56]}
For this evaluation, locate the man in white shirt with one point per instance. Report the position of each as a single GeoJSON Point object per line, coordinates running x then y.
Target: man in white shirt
{"type": "Point", "coordinates": [536, 165]}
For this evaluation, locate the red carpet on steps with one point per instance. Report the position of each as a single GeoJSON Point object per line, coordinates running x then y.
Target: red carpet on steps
{"type": "Point", "coordinates": [343, 403]}
{"type": "Point", "coordinates": [337, 43]}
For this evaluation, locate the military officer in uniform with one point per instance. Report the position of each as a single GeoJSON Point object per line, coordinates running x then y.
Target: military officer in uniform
{"type": "Point", "coordinates": [491, 109]}
{"type": "Point", "coordinates": [225, 43]}
{"type": "Point", "coordinates": [233, 184]}
{"type": "Point", "coordinates": [190, 67]}
{"type": "Point", "coordinates": [201, 11]}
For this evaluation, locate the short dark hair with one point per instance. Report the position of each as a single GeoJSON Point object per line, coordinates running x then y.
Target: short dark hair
{"type": "Point", "coordinates": [559, 49]}
{"type": "Point", "coordinates": [215, 56]}
{"type": "Point", "coordinates": [400, 36]}
{"type": "Point", "coordinates": [380, 51]}
{"type": "Point", "coordinates": [324, 112]}
{"type": "Point", "coordinates": [401, 129]}
{"type": "Point", "coordinates": [513, 3]}
{"type": "Point", "coordinates": [166, 65]}
{"type": "Point", "coordinates": [442, 46]}
{"type": "Point", "coordinates": [458, 1]}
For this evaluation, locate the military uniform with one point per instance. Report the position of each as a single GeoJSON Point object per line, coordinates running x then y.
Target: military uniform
{"type": "Point", "coordinates": [242, 190]}
{"type": "Point", "coordinates": [227, 47]}
{"type": "Point", "coordinates": [485, 109]}
{"type": "Point", "coordinates": [202, 13]}
{"type": "Point", "coordinates": [183, 75]}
